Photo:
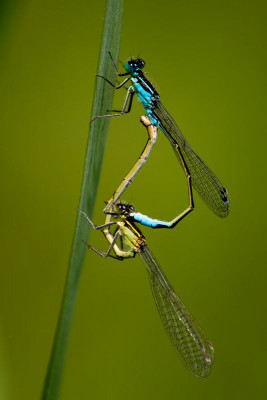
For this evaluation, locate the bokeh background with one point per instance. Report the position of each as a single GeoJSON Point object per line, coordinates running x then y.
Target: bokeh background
{"type": "Point", "coordinates": [208, 60]}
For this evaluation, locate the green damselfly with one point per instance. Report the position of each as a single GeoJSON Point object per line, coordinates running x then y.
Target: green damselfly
{"type": "Point", "coordinates": [187, 338]}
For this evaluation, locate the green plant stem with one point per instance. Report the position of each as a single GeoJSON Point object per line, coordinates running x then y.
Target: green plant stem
{"type": "Point", "coordinates": [94, 155]}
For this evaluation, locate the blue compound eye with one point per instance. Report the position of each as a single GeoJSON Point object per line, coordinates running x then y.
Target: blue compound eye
{"type": "Point", "coordinates": [129, 66]}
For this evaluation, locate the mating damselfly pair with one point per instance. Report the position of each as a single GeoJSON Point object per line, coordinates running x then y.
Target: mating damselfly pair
{"type": "Point", "coordinates": [185, 334]}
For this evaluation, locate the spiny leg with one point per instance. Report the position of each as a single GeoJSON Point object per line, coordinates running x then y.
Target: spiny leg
{"type": "Point", "coordinates": [120, 85]}
{"type": "Point", "coordinates": [99, 227]}
{"type": "Point", "coordinates": [127, 102]}
{"type": "Point", "coordinates": [102, 253]}
{"type": "Point", "coordinates": [115, 66]}
{"type": "Point", "coordinates": [122, 112]}
{"type": "Point", "coordinates": [112, 238]}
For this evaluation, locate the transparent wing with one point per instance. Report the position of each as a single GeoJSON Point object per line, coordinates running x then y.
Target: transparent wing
{"type": "Point", "coordinates": [185, 335]}
{"type": "Point", "coordinates": [204, 180]}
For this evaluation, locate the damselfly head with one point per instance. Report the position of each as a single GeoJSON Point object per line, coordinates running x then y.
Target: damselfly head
{"type": "Point", "coordinates": [124, 208]}
{"type": "Point", "coordinates": [134, 65]}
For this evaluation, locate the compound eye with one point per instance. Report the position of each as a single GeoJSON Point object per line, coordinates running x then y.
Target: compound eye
{"type": "Point", "coordinates": [141, 63]}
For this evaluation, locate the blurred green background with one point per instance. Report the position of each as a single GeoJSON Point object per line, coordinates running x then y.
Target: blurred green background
{"type": "Point", "coordinates": [208, 61]}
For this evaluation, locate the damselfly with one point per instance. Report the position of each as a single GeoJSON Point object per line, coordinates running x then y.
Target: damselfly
{"type": "Point", "coordinates": [212, 192]}
{"type": "Point", "coordinates": [187, 338]}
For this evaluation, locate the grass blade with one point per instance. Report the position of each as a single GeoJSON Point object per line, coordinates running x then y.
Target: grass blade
{"type": "Point", "coordinates": [94, 155]}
